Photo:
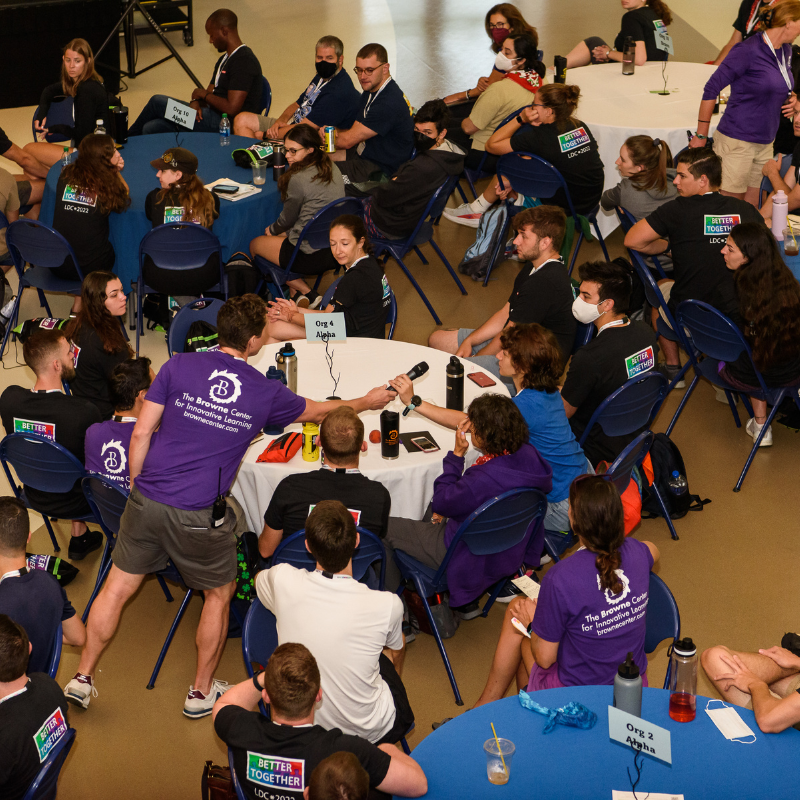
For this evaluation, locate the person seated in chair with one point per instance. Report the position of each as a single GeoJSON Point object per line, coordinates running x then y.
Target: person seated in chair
{"type": "Point", "coordinates": [236, 85]}
{"type": "Point", "coordinates": [29, 704]}
{"type": "Point", "coordinates": [339, 776]}
{"type": "Point", "coordinates": [34, 599]}
{"type": "Point", "coordinates": [31, 166]}
{"type": "Point", "coordinates": [542, 293]}
{"type": "Point", "coordinates": [342, 439]}
{"type": "Point", "coordinates": [332, 614]}
{"type": "Point", "coordinates": [14, 194]}
{"type": "Point", "coordinates": [46, 411]}
{"type": "Point", "coordinates": [108, 443]}
{"type": "Point", "coordinates": [290, 686]}
{"type": "Point", "coordinates": [330, 99]}
{"type": "Point", "coordinates": [395, 206]}
{"type": "Point", "coordinates": [621, 349]}
{"type": "Point", "coordinates": [563, 650]}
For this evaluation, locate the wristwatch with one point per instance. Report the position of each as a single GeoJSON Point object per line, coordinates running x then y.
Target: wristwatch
{"type": "Point", "coordinates": [416, 402]}
{"type": "Point", "coordinates": [519, 120]}
{"type": "Point", "coordinates": [258, 686]}
{"type": "Point", "coordinates": [700, 135]}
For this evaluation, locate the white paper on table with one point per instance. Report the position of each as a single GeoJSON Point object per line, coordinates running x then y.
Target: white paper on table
{"type": "Point", "coordinates": [527, 585]}
{"type": "Point", "coordinates": [244, 189]}
{"type": "Point", "coordinates": [616, 795]}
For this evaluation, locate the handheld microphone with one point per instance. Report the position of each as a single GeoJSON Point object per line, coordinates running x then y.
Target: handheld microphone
{"type": "Point", "coordinates": [415, 372]}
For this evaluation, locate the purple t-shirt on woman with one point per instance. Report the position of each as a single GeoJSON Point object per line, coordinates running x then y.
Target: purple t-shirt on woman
{"type": "Point", "coordinates": [214, 405]}
{"type": "Point", "coordinates": [758, 89]}
{"type": "Point", "coordinates": [595, 629]}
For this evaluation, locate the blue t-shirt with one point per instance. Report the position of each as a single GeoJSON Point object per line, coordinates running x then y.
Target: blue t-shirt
{"type": "Point", "coordinates": [106, 448]}
{"type": "Point", "coordinates": [388, 113]}
{"type": "Point", "coordinates": [334, 102]}
{"type": "Point", "coordinates": [37, 601]}
{"type": "Point", "coordinates": [552, 436]}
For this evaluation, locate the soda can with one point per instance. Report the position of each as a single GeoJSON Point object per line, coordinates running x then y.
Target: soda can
{"type": "Point", "coordinates": [328, 144]}
{"type": "Point", "coordinates": [310, 441]}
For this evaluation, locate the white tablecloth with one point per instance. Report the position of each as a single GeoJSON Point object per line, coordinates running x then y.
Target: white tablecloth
{"type": "Point", "coordinates": [616, 106]}
{"type": "Point", "coordinates": [363, 364]}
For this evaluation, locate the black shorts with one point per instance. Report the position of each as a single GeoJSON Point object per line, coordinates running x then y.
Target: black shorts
{"type": "Point", "coordinates": [591, 43]}
{"type": "Point", "coordinates": [474, 157]}
{"type": "Point", "coordinates": [404, 716]}
{"type": "Point", "coordinates": [307, 263]}
{"type": "Point", "coordinates": [24, 191]}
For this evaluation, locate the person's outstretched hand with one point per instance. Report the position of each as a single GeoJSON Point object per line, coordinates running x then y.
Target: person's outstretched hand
{"type": "Point", "coordinates": [379, 397]}
{"type": "Point", "coordinates": [404, 387]}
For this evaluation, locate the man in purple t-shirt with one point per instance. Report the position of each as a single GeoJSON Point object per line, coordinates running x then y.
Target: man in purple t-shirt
{"type": "Point", "coordinates": [207, 408]}
{"type": "Point", "coordinates": [107, 443]}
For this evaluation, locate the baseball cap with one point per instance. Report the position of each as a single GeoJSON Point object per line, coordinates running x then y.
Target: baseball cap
{"type": "Point", "coordinates": [177, 158]}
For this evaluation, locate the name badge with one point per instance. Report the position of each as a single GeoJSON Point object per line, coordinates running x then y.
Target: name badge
{"type": "Point", "coordinates": [638, 733]}
{"type": "Point", "coordinates": [325, 328]}
{"type": "Point", "coordinates": [180, 113]}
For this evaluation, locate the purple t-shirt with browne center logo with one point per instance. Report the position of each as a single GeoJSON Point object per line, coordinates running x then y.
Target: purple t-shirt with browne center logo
{"type": "Point", "coordinates": [214, 405]}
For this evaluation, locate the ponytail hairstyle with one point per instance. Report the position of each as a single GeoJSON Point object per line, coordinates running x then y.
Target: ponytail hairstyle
{"type": "Point", "coordinates": [527, 48]}
{"type": "Point", "coordinates": [777, 15]}
{"type": "Point", "coordinates": [655, 156]}
{"type": "Point", "coordinates": [70, 85]}
{"type": "Point", "coordinates": [515, 20]}
{"type": "Point", "coordinates": [661, 10]}
{"type": "Point", "coordinates": [305, 136]}
{"type": "Point", "coordinates": [355, 225]}
{"type": "Point", "coordinates": [198, 203]}
{"type": "Point", "coordinates": [562, 100]}
{"type": "Point", "coordinates": [93, 173]}
{"type": "Point", "coordinates": [599, 521]}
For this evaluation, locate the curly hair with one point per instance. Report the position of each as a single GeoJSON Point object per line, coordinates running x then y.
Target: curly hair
{"type": "Point", "coordinates": [769, 297]}
{"type": "Point", "coordinates": [562, 100]}
{"type": "Point", "coordinates": [661, 9]}
{"type": "Point", "coordinates": [70, 85]}
{"type": "Point", "coordinates": [655, 156]}
{"type": "Point", "coordinates": [95, 315]}
{"type": "Point", "coordinates": [306, 136]}
{"type": "Point", "coordinates": [598, 519]}
{"type": "Point", "coordinates": [535, 353]}
{"type": "Point", "coordinates": [514, 18]}
{"type": "Point", "coordinates": [498, 424]}
{"type": "Point", "coordinates": [93, 173]}
{"type": "Point", "coordinates": [197, 202]}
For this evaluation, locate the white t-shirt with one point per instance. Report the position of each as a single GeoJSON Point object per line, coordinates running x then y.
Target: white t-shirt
{"type": "Point", "coordinates": [345, 625]}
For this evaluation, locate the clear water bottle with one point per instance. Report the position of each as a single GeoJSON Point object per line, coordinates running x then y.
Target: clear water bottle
{"type": "Point", "coordinates": [683, 681]}
{"type": "Point", "coordinates": [99, 127]}
{"type": "Point", "coordinates": [65, 159]}
{"type": "Point", "coordinates": [629, 56]}
{"type": "Point", "coordinates": [224, 131]}
{"type": "Point", "coordinates": [679, 493]}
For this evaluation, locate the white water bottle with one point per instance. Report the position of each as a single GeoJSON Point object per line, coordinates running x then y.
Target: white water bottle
{"type": "Point", "coordinates": [780, 211]}
{"type": "Point", "coordinates": [224, 131]}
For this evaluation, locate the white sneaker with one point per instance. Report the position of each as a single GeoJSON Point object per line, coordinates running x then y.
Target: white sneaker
{"type": "Point", "coordinates": [198, 704]}
{"type": "Point", "coordinates": [80, 690]}
{"type": "Point", "coordinates": [722, 397]}
{"type": "Point", "coordinates": [753, 428]}
{"type": "Point", "coordinates": [464, 215]}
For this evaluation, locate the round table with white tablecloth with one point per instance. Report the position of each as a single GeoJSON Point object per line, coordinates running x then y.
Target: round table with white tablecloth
{"type": "Point", "coordinates": [363, 364]}
{"type": "Point", "coordinates": [616, 106]}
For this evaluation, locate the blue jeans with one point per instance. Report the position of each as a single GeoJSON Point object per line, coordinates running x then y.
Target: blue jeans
{"type": "Point", "coordinates": [152, 119]}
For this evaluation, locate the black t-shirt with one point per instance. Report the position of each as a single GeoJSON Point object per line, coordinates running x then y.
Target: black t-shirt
{"type": "Point", "coordinates": [746, 19]}
{"type": "Point", "coordinates": [277, 760]}
{"type": "Point", "coordinates": [54, 416]}
{"type": "Point", "coordinates": [573, 153]}
{"type": "Point", "coordinates": [89, 105]}
{"type": "Point", "coordinates": [697, 228]}
{"type": "Point", "coordinates": [599, 368]}
{"type": "Point", "coordinates": [639, 25]}
{"type": "Point", "coordinates": [363, 295]}
{"type": "Point", "coordinates": [38, 602]}
{"type": "Point", "coordinates": [290, 504]}
{"type": "Point", "coordinates": [336, 103]}
{"type": "Point", "coordinates": [93, 367]}
{"type": "Point", "coordinates": [169, 209]}
{"type": "Point", "coordinates": [31, 723]}
{"type": "Point", "coordinates": [85, 226]}
{"type": "Point", "coordinates": [240, 72]}
{"type": "Point", "coordinates": [388, 113]}
{"type": "Point", "coordinates": [545, 297]}
{"type": "Point", "coordinates": [5, 142]}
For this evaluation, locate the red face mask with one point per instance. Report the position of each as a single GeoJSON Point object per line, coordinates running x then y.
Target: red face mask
{"type": "Point", "coordinates": [499, 35]}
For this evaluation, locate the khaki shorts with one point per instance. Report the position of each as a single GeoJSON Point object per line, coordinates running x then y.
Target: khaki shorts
{"type": "Point", "coordinates": [792, 685]}
{"type": "Point", "coordinates": [666, 291]}
{"type": "Point", "coordinates": [265, 123]}
{"type": "Point", "coordinates": [151, 532]}
{"type": "Point", "coordinates": [742, 162]}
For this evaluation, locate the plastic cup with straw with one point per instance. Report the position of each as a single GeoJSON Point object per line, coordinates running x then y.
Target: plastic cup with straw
{"type": "Point", "coordinates": [790, 249]}
{"type": "Point", "coordinates": [498, 757]}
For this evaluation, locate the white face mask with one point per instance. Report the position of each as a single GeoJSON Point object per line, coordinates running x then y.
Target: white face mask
{"type": "Point", "coordinates": [503, 62]}
{"type": "Point", "coordinates": [585, 312]}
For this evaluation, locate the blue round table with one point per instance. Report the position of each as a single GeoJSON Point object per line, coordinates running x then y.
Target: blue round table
{"type": "Point", "coordinates": [793, 262]}
{"type": "Point", "coordinates": [574, 763]}
{"type": "Point", "coordinates": [238, 222]}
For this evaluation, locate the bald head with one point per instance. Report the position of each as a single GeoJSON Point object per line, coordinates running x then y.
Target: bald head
{"type": "Point", "coordinates": [223, 18]}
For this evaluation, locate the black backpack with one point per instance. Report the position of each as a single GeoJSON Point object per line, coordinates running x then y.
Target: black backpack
{"type": "Point", "coordinates": [201, 337]}
{"type": "Point", "coordinates": [666, 459]}
{"type": "Point", "coordinates": [637, 287]}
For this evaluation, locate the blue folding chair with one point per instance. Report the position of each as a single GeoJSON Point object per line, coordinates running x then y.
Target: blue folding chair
{"type": "Point", "coordinates": [44, 249]}
{"type": "Point", "coordinates": [584, 332]}
{"type": "Point", "coordinates": [205, 309]}
{"type": "Point", "coordinates": [626, 222]}
{"type": "Point", "coordinates": [317, 233]}
{"type": "Point", "coordinates": [61, 112]}
{"type": "Point", "coordinates": [766, 184]}
{"type": "Point", "coordinates": [719, 339]}
{"type": "Point", "coordinates": [42, 465]}
{"type": "Point", "coordinates": [422, 234]}
{"type": "Point", "coordinates": [266, 96]}
{"type": "Point", "coordinates": [391, 319]}
{"type": "Point", "coordinates": [6, 261]}
{"type": "Point", "coordinates": [499, 524]}
{"type": "Point", "coordinates": [44, 785]}
{"type": "Point", "coordinates": [240, 795]}
{"type": "Point", "coordinates": [55, 653]}
{"type": "Point", "coordinates": [108, 502]}
{"type": "Point", "coordinates": [177, 247]}
{"type": "Point", "coordinates": [662, 620]}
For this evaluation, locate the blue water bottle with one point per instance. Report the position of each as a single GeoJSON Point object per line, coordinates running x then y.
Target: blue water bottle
{"type": "Point", "coordinates": [273, 373]}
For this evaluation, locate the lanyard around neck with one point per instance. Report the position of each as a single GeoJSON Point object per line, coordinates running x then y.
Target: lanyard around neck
{"type": "Point", "coordinates": [780, 61]}
{"type": "Point", "coordinates": [373, 97]}
{"type": "Point", "coordinates": [224, 62]}
{"type": "Point", "coordinates": [614, 324]}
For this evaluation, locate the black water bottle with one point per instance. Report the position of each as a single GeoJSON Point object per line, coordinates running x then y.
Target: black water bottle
{"type": "Point", "coordinates": [278, 161]}
{"type": "Point", "coordinates": [560, 64]}
{"type": "Point", "coordinates": [119, 124]}
{"type": "Point", "coordinates": [455, 384]}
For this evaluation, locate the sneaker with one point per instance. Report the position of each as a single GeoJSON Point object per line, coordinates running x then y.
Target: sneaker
{"type": "Point", "coordinates": [198, 704]}
{"type": "Point", "coordinates": [464, 215]}
{"type": "Point", "coordinates": [314, 299]}
{"type": "Point", "coordinates": [468, 611]}
{"type": "Point", "coordinates": [301, 300]}
{"type": "Point", "coordinates": [721, 397]}
{"type": "Point", "coordinates": [81, 546]}
{"type": "Point", "coordinates": [669, 371]}
{"type": "Point", "coordinates": [80, 690]}
{"type": "Point", "coordinates": [409, 632]}
{"type": "Point", "coordinates": [511, 253]}
{"type": "Point", "coordinates": [437, 725]}
{"type": "Point", "coordinates": [753, 428]}
{"type": "Point", "coordinates": [508, 593]}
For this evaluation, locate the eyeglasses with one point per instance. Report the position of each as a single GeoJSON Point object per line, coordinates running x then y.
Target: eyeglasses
{"type": "Point", "coordinates": [367, 70]}
{"type": "Point", "coordinates": [294, 150]}
{"type": "Point", "coordinates": [538, 105]}
{"type": "Point", "coordinates": [495, 25]}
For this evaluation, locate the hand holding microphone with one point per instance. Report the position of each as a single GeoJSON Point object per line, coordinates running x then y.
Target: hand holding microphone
{"type": "Point", "coordinates": [415, 372]}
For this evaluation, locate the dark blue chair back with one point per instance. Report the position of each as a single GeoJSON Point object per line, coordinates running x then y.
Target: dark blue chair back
{"type": "Point", "coordinates": [328, 296]}
{"type": "Point", "coordinates": [317, 230]}
{"type": "Point", "coordinates": [180, 246]}
{"type": "Point", "coordinates": [626, 222]}
{"type": "Point", "coordinates": [663, 620]}
{"type": "Point", "coordinates": [38, 244]}
{"type": "Point", "coordinates": [631, 407]}
{"type": "Point", "coordinates": [45, 784]}
{"type": "Point", "coordinates": [619, 473]}
{"type": "Point", "coordinates": [259, 636]}
{"type": "Point", "coordinates": [106, 501]}
{"type": "Point", "coordinates": [60, 112]}
{"type": "Point", "coordinates": [55, 653]}
{"type": "Point", "coordinates": [266, 96]}
{"type": "Point", "coordinates": [40, 463]}
{"type": "Point", "coordinates": [240, 795]}
{"type": "Point", "coordinates": [532, 176]}
{"type": "Point", "coordinates": [584, 331]}
{"type": "Point", "coordinates": [712, 332]}
{"type": "Point", "coordinates": [205, 309]}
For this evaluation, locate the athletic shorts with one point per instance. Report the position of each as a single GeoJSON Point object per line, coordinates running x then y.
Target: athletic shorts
{"type": "Point", "coordinates": [404, 716]}
{"type": "Point", "coordinates": [595, 41]}
{"type": "Point", "coordinates": [742, 162]}
{"type": "Point", "coordinates": [307, 263]}
{"type": "Point", "coordinates": [24, 191]}
{"type": "Point", "coordinates": [265, 123]}
{"type": "Point", "coordinates": [151, 532]}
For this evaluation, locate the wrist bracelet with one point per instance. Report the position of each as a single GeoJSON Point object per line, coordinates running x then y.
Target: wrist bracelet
{"type": "Point", "coordinates": [255, 681]}
{"type": "Point", "coordinates": [707, 121]}
{"type": "Point", "coordinates": [700, 135]}
{"type": "Point", "coordinates": [519, 120]}
{"type": "Point", "coordinates": [466, 95]}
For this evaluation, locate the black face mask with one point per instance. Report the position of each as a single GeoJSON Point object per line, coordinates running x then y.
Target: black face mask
{"type": "Point", "coordinates": [423, 142]}
{"type": "Point", "coordinates": [325, 69]}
